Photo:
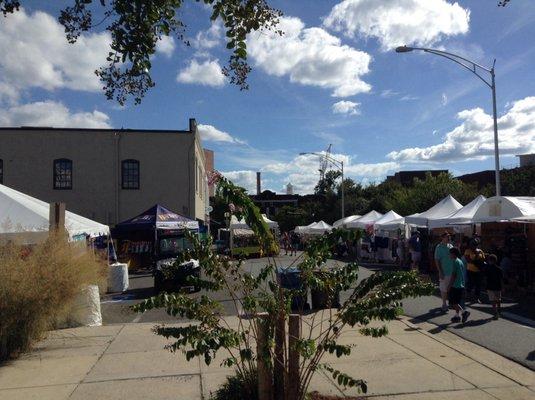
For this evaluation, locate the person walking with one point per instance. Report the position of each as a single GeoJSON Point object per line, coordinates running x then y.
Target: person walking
{"type": "Point", "coordinates": [415, 248]}
{"type": "Point", "coordinates": [295, 244]}
{"type": "Point", "coordinates": [286, 242]}
{"type": "Point", "coordinates": [456, 287]}
{"type": "Point", "coordinates": [475, 259]}
{"type": "Point", "coordinates": [445, 266]}
{"type": "Point", "coordinates": [494, 275]}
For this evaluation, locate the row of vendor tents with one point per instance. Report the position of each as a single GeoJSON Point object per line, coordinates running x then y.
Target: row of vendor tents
{"type": "Point", "coordinates": [447, 213]}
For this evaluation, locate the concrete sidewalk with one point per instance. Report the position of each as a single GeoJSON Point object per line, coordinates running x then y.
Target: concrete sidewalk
{"type": "Point", "coordinates": [128, 362]}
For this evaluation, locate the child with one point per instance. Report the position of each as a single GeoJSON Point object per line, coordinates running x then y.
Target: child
{"type": "Point", "coordinates": [494, 284]}
{"type": "Point", "coordinates": [456, 287]}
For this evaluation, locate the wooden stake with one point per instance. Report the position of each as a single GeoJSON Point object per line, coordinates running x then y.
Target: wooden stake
{"type": "Point", "coordinates": [57, 218]}
{"type": "Point", "coordinates": [294, 333]}
{"type": "Point", "coordinates": [279, 362]}
{"type": "Point", "coordinates": [265, 375]}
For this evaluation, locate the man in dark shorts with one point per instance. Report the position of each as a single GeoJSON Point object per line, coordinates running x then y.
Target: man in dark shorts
{"type": "Point", "coordinates": [456, 289]}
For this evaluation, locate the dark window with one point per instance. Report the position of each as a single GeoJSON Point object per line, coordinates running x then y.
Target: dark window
{"type": "Point", "coordinates": [63, 174]}
{"type": "Point", "coordinates": [1, 171]}
{"type": "Point", "coordinates": [130, 174]}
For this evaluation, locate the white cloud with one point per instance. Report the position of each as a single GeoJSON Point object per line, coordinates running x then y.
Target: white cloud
{"type": "Point", "coordinates": [302, 171]}
{"type": "Point", "coordinates": [210, 133]}
{"type": "Point", "coordinates": [245, 179]}
{"type": "Point", "coordinates": [444, 99]}
{"type": "Point", "coordinates": [209, 38]}
{"type": "Point", "coordinates": [474, 137]}
{"type": "Point", "coordinates": [35, 53]}
{"type": "Point", "coordinates": [166, 46]}
{"type": "Point", "coordinates": [206, 73]}
{"type": "Point", "coordinates": [408, 97]}
{"type": "Point", "coordinates": [387, 93]}
{"type": "Point", "coordinates": [51, 113]}
{"type": "Point", "coordinates": [397, 22]}
{"type": "Point", "coordinates": [8, 93]}
{"type": "Point", "coordinates": [310, 56]}
{"type": "Point", "coordinates": [346, 107]}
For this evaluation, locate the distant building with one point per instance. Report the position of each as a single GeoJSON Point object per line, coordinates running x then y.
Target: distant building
{"type": "Point", "coordinates": [289, 189]}
{"type": "Point", "coordinates": [270, 202]}
{"type": "Point", "coordinates": [526, 160]}
{"type": "Point", "coordinates": [108, 175]}
{"type": "Point", "coordinates": [481, 178]}
{"type": "Point", "coordinates": [406, 178]}
{"type": "Point", "coordinates": [209, 165]}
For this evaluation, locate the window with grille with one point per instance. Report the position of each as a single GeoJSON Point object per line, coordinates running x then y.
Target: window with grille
{"type": "Point", "coordinates": [63, 174]}
{"type": "Point", "coordinates": [130, 174]}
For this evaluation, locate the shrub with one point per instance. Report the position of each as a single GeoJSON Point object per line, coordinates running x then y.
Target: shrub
{"type": "Point", "coordinates": [240, 386]}
{"type": "Point", "coordinates": [38, 286]}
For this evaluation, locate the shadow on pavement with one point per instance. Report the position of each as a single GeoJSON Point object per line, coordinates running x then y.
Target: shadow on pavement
{"type": "Point", "coordinates": [434, 312]}
{"type": "Point", "coordinates": [473, 322]}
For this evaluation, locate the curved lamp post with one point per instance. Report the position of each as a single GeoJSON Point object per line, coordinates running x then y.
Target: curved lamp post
{"type": "Point", "coordinates": [476, 69]}
{"type": "Point", "coordinates": [337, 163]}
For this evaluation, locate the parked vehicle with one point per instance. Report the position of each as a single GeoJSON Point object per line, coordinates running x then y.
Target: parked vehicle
{"type": "Point", "coordinates": [168, 276]}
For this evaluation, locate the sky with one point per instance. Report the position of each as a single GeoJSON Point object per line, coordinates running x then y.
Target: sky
{"type": "Point", "coordinates": [332, 78]}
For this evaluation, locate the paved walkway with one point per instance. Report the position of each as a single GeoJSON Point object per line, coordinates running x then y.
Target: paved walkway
{"type": "Point", "coordinates": [128, 362]}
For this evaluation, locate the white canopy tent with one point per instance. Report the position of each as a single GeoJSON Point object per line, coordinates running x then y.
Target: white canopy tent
{"type": "Point", "coordinates": [390, 221]}
{"type": "Point", "coordinates": [302, 228]}
{"type": "Point", "coordinates": [23, 214]}
{"type": "Point", "coordinates": [505, 208]}
{"type": "Point", "coordinates": [342, 222]}
{"type": "Point", "coordinates": [318, 228]}
{"type": "Point", "coordinates": [463, 216]}
{"type": "Point", "coordinates": [236, 223]}
{"type": "Point", "coordinates": [365, 220]}
{"type": "Point", "coordinates": [444, 208]}
{"type": "Point", "coordinates": [530, 219]}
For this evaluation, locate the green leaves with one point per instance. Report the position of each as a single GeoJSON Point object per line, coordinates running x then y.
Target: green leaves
{"type": "Point", "coordinates": [203, 341]}
{"type": "Point", "coordinates": [136, 26]}
{"type": "Point", "coordinates": [330, 346]}
{"type": "Point", "coordinates": [306, 347]}
{"type": "Point", "coordinates": [345, 380]}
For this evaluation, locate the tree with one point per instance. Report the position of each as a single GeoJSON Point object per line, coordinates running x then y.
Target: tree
{"type": "Point", "coordinates": [136, 26]}
{"type": "Point", "coordinates": [327, 185]}
{"type": "Point", "coordinates": [519, 181]}
{"type": "Point", "coordinates": [288, 217]}
{"type": "Point", "coordinates": [427, 192]}
{"type": "Point", "coordinates": [263, 307]}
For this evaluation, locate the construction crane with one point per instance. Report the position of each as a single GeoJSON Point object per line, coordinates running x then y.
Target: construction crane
{"type": "Point", "coordinates": [324, 162]}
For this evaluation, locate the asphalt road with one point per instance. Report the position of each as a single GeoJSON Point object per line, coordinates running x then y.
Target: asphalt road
{"type": "Point", "coordinates": [513, 336]}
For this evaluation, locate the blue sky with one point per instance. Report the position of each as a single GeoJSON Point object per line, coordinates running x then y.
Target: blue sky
{"type": "Point", "coordinates": [332, 78]}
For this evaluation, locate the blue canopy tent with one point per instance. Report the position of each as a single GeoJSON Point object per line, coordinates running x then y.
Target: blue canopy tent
{"type": "Point", "coordinates": [140, 238]}
{"type": "Point", "coordinates": [156, 217]}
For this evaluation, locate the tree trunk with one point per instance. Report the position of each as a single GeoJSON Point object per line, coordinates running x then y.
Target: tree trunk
{"type": "Point", "coordinates": [294, 333]}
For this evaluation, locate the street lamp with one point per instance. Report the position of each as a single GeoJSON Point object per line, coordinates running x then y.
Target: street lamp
{"type": "Point", "coordinates": [337, 163]}
{"type": "Point", "coordinates": [475, 69]}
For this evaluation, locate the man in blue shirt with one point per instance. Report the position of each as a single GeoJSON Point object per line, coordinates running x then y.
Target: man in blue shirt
{"type": "Point", "coordinates": [456, 289]}
{"type": "Point", "coordinates": [445, 266]}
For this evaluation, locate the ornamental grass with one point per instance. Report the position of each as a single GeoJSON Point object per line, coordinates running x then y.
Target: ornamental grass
{"type": "Point", "coordinates": [38, 285]}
